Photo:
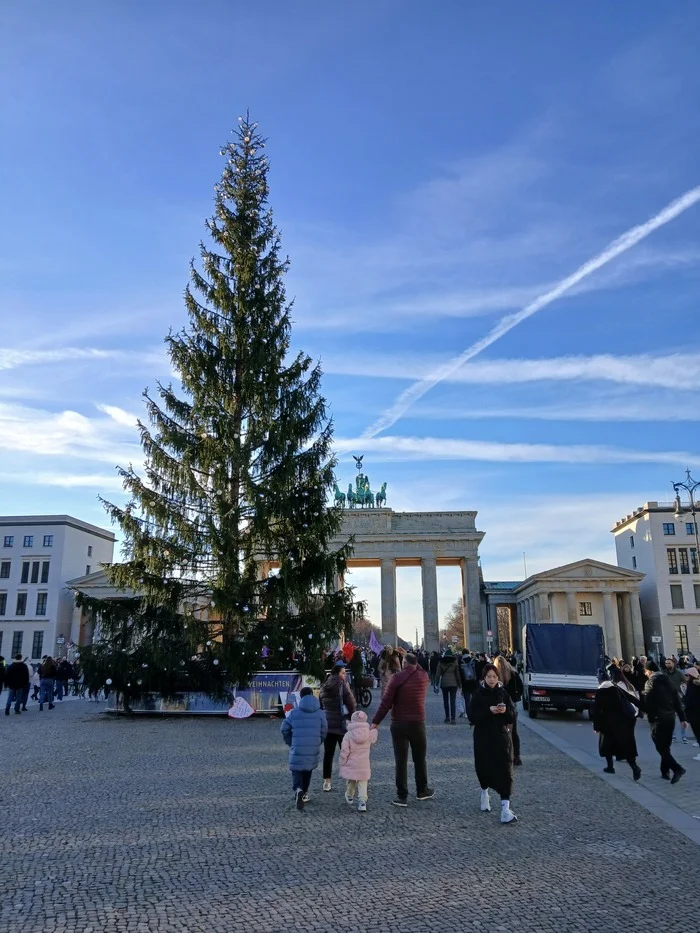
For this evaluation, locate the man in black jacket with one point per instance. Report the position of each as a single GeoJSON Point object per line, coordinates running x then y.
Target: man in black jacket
{"type": "Point", "coordinates": [16, 678]}
{"type": "Point", "coordinates": [662, 705]}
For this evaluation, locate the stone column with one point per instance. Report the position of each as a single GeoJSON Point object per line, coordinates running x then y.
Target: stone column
{"type": "Point", "coordinates": [431, 625]}
{"type": "Point", "coordinates": [544, 613]}
{"type": "Point", "coordinates": [612, 626]}
{"type": "Point", "coordinates": [571, 607]}
{"type": "Point", "coordinates": [388, 581]}
{"type": "Point", "coordinates": [637, 624]}
{"type": "Point", "coordinates": [626, 629]}
{"type": "Point", "coordinates": [472, 603]}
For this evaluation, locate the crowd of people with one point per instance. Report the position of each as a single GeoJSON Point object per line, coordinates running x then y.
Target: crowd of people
{"type": "Point", "coordinates": [489, 693]}
{"type": "Point", "coordinates": [45, 683]}
{"type": "Point", "coordinates": [663, 692]}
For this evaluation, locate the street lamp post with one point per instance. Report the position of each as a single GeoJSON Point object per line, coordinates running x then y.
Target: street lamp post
{"type": "Point", "coordinates": [690, 485]}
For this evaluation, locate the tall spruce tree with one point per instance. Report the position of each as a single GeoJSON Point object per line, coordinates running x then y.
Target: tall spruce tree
{"type": "Point", "coordinates": [238, 469]}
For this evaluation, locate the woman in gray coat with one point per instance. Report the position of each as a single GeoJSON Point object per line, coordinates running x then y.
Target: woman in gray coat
{"type": "Point", "coordinates": [450, 677]}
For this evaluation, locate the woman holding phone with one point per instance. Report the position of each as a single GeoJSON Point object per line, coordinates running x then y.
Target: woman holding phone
{"type": "Point", "coordinates": [492, 714]}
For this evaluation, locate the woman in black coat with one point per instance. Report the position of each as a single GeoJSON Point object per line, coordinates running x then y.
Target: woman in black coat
{"type": "Point", "coordinates": [491, 712]}
{"type": "Point", "coordinates": [614, 718]}
{"type": "Point", "coordinates": [334, 695]}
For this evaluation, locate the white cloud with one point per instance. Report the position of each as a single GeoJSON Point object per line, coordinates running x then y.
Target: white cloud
{"type": "Point", "coordinates": [66, 434]}
{"type": "Point", "coordinates": [64, 480]}
{"type": "Point", "coordinates": [395, 448]}
{"type": "Point", "coordinates": [119, 415]}
{"type": "Point", "coordinates": [673, 370]}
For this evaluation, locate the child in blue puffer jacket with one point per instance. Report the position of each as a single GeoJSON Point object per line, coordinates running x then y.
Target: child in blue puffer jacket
{"type": "Point", "coordinates": [304, 731]}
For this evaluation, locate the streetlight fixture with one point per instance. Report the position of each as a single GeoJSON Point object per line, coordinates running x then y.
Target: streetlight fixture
{"type": "Point", "coordinates": [690, 485]}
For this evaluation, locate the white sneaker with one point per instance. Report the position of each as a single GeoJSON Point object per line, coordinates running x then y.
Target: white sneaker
{"type": "Point", "coordinates": [507, 816]}
{"type": "Point", "coordinates": [348, 799]}
{"type": "Point", "coordinates": [306, 798]}
{"type": "Point", "coordinates": [327, 785]}
{"type": "Point", "coordinates": [696, 744]}
{"type": "Point", "coordinates": [696, 758]}
{"type": "Point", "coordinates": [362, 807]}
{"type": "Point", "coordinates": [485, 802]}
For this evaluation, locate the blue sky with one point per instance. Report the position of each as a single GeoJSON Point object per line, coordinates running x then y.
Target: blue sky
{"type": "Point", "coordinates": [433, 169]}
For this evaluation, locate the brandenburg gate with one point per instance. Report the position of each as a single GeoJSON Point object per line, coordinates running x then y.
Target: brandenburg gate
{"type": "Point", "coordinates": [388, 539]}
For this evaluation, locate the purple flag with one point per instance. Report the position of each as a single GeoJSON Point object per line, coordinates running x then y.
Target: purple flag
{"type": "Point", "coordinates": [374, 645]}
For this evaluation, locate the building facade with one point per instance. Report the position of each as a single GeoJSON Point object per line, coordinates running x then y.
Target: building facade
{"type": "Point", "coordinates": [655, 542]}
{"type": "Point", "coordinates": [38, 555]}
{"type": "Point", "coordinates": [584, 592]}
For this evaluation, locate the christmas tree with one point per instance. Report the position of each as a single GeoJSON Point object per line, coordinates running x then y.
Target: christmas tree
{"type": "Point", "coordinates": [238, 469]}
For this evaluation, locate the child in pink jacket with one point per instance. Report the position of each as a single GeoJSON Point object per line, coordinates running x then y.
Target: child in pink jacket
{"type": "Point", "coordinates": [354, 759]}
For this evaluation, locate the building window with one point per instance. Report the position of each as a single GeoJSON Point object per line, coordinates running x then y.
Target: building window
{"type": "Point", "coordinates": [41, 600]}
{"type": "Point", "coordinates": [632, 541]}
{"type": "Point", "coordinates": [677, 596]}
{"type": "Point", "coordinates": [35, 571]}
{"type": "Point", "coordinates": [89, 550]}
{"type": "Point", "coordinates": [694, 559]}
{"type": "Point", "coordinates": [8, 541]}
{"type": "Point", "coordinates": [634, 562]}
{"type": "Point", "coordinates": [669, 528]}
{"type": "Point", "coordinates": [585, 609]}
{"type": "Point", "coordinates": [21, 604]}
{"type": "Point", "coordinates": [3, 603]}
{"type": "Point", "coordinates": [696, 590]}
{"type": "Point", "coordinates": [691, 528]}
{"type": "Point", "coordinates": [672, 560]}
{"type": "Point", "coordinates": [17, 643]}
{"type": "Point", "coordinates": [25, 572]}
{"type": "Point", "coordinates": [5, 570]}
{"type": "Point", "coordinates": [29, 541]}
{"type": "Point", "coordinates": [681, 639]}
{"type": "Point", "coordinates": [45, 571]}
{"type": "Point", "coordinates": [48, 540]}
{"type": "Point", "coordinates": [37, 644]}
{"type": "Point", "coordinates": [683, 554]}
{"type": "Point", "coordinates": [88, 568]}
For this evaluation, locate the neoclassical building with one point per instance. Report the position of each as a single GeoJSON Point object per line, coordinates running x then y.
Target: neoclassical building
{"type": "Point", "coordinates": [586, 591]}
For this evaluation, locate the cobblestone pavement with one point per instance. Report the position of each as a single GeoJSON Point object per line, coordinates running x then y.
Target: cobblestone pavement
{"type": "Point", "coordinates": [574, 734]}
{"type": "Point", "coordinates": [189, 825]}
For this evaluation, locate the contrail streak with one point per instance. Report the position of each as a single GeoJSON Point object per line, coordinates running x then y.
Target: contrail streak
{"type": "Point", "coordinates": [629, 239]}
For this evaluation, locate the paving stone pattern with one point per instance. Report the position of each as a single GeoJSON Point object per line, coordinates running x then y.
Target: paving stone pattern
{"type": "Point", "coordinates": [189, 825]}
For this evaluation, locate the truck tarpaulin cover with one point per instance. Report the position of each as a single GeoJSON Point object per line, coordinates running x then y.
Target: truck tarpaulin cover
{"type": "Point", "coordinates": [555, 648]}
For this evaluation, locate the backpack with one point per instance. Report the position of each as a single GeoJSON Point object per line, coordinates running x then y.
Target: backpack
{"type": "Point", "coordinates": [468, 672]}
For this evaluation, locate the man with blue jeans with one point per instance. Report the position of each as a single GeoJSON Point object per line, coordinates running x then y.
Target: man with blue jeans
{"type": "Point", "coordinates": [47, 675]}
{"type": "Point", "coordinates": [16, 679]}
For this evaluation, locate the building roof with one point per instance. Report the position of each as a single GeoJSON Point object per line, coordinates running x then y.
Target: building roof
{"type": "Point", "coordinates": [502, 585]}
{"type": "Point", "coordinates": [644, 510]}
{"type": "Point", "coordinates": [8, 520]}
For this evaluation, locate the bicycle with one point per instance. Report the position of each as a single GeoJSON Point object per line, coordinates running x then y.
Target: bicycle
{"type": "Point", "coordinates": [363, 695]}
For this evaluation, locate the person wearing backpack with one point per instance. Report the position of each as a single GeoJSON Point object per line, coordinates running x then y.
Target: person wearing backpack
{"type": "Point", "coordinates": [469, 683]}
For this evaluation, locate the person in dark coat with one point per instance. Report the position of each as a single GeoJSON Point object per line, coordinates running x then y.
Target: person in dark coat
{"type": "Point", "coordinates": [511, 680]}
{"type": "Point", "coordinates": [433, 666]}
{"type": "Point", "coordinates": [614, 719]}
{"type": "Point", "coordinates": [304, 731]}
{"type": "Point", "coordinates": [491, 713]}
{"type": "Point", "coordinates": [335, 693]}
{"type": "Point", "coordinates": [662, 705]}
{"type": "Point", "coordinates": [16, 679]}
{"type": "Point", "coordinates": [450, 677]}
{"type": "Point", "coordinates": [691, 703]}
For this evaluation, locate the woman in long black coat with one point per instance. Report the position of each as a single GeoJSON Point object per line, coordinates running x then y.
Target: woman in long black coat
{"type": "Point", "coordinates": [492, 714]}
{"type": "Point", "coordinates": [615, 714]}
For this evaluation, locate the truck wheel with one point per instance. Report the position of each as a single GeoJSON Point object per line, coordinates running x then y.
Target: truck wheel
{"type": "Point", "coordinates": [532, 712]}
